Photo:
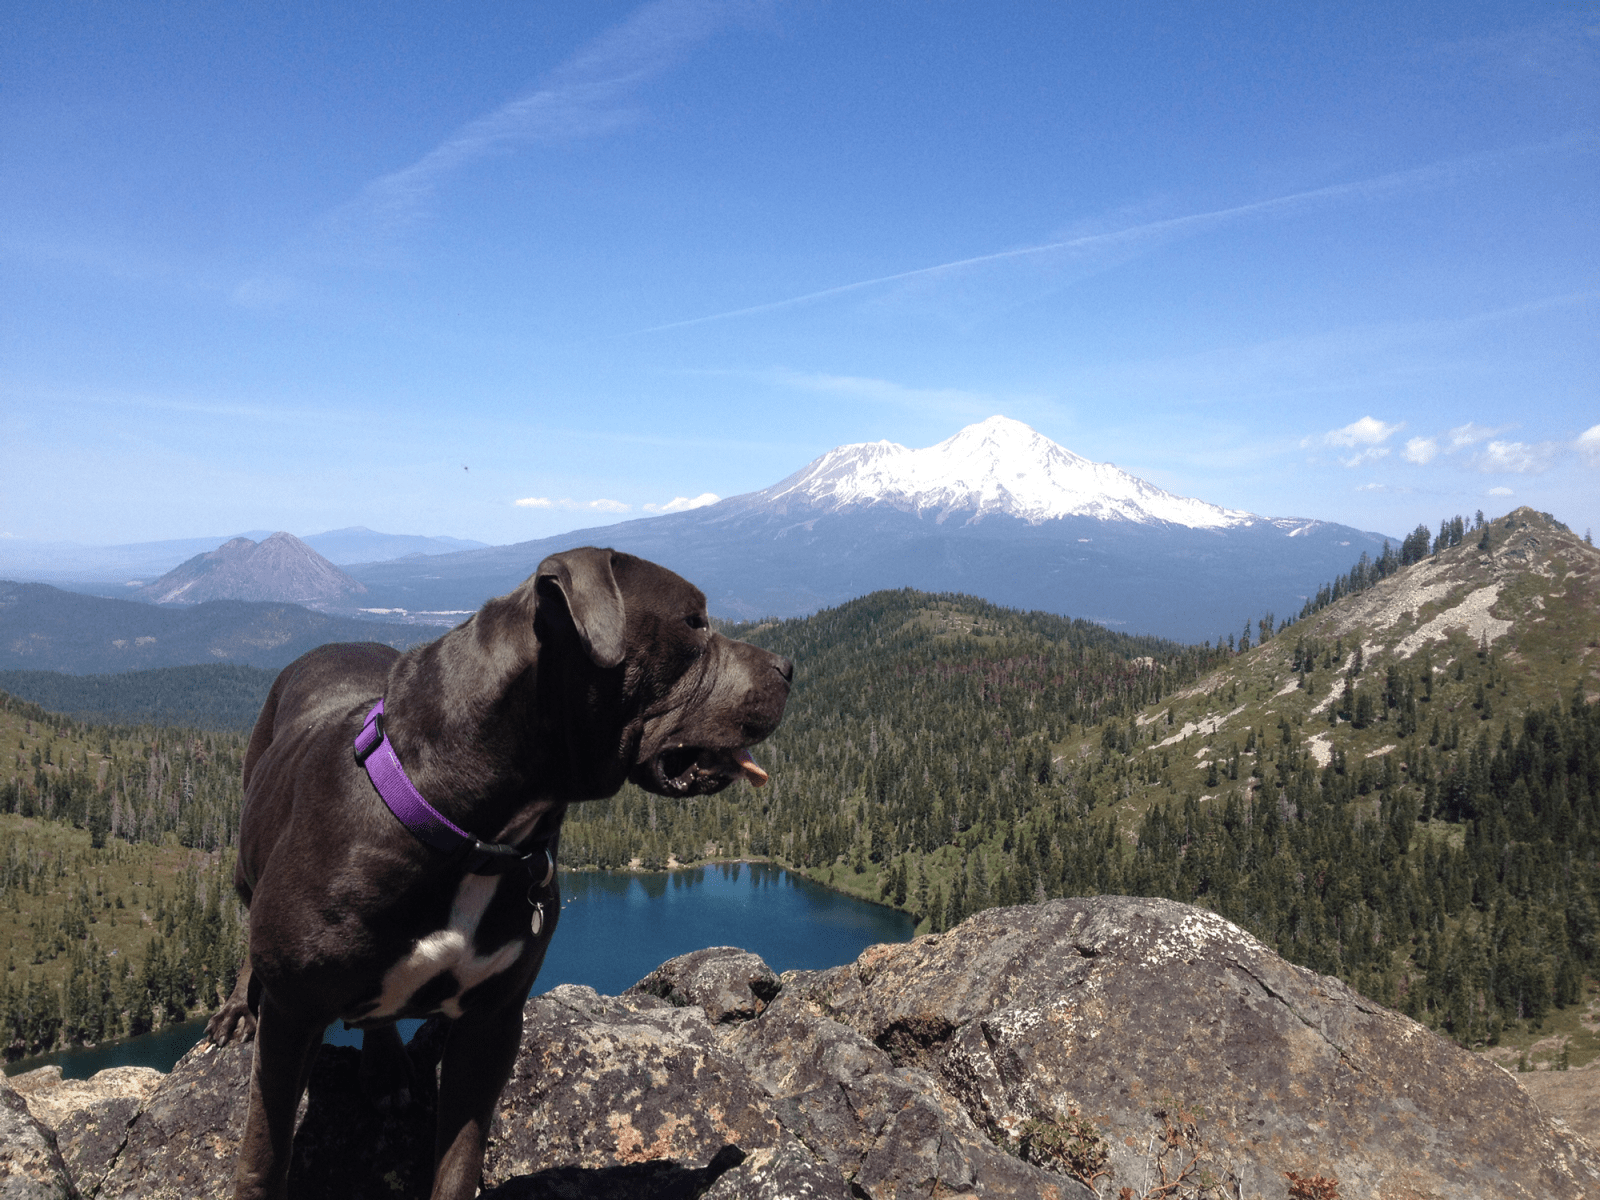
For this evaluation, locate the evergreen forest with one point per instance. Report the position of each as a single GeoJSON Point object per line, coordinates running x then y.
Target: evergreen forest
{"type": "Point", "coordinates": [117, 910]}
{"type": "Point", "coordinates": [1435, 846]}
{"type": "Point", "coordinates": [1424, 825]}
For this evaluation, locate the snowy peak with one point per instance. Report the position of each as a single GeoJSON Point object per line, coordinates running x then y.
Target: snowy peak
{"type": "Point", "coordinates": [996, 467]}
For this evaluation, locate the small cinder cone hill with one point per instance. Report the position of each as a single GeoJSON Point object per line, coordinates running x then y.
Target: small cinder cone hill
{"type": "Point", "coordinates": [279, 568]}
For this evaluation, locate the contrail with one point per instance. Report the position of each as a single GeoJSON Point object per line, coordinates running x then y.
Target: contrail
{"type": "Point", "coordinates": [588, 95]}
{"type": "Point", "coordinates": [584, 96]}
{"type": "Point", "coordinates": [1396, 181]}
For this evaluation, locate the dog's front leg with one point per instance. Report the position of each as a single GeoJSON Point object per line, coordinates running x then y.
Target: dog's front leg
{"type": "Point", "coordinates": [285, 1045]}
{"type": "Point", "coordinates": [478, 1059]}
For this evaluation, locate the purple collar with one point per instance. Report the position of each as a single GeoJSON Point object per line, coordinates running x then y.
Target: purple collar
{"type": "Point", "coordinates": [376, 753]}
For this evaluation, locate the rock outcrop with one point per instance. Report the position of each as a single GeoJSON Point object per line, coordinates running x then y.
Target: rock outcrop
{"type": "Point", "coordinates": [89, 1116]}
{"type": "Point", "coordinates": [1125, 1009]}
{"type": "Point", "coordinates": [31, 1166]}
{"type": "Point", "coordinates": [1032, 1051]}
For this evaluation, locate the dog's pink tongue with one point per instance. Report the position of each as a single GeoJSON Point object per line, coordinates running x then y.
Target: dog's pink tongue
{"type": "Point", "coordinates": [752, 770]}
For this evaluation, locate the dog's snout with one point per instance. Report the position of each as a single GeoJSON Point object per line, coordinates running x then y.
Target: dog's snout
{"type": "Point", "coordinates": [784, 667]}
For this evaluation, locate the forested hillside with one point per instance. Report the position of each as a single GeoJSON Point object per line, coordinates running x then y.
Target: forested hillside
{"type": "Point", "coordinates": [1402, 789]}
{"type": "Point", "coordinates": [117, 910]}
{"type": "Point", "coordinates": [216, 696]}
{"type": "Point", "coordinates": [914, 718]}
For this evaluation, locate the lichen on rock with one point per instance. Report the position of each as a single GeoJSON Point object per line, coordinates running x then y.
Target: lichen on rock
{"type": "Point", "coordinates": [1026, 1053]}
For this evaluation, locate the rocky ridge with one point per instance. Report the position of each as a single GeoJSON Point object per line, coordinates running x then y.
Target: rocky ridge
{"type": "Point", "coordinates": [88, 1117]}
{"type": "Point", "coordinates": [1036, 1051]}
{"type": "Point", "coordinates": [1516, 606]}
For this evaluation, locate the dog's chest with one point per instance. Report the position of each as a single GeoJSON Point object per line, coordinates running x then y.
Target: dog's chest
{"type": "Point", "coordinates": [443, 966]}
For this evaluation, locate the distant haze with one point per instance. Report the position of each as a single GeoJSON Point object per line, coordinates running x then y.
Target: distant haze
{"type": "Point", "coordinates": [71, 563]}
{"type": "Point", "coordinates": [997, 511]}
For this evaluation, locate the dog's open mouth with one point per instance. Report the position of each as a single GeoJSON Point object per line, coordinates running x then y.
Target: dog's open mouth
{"type": "Point", "coordinates": [700, 769]}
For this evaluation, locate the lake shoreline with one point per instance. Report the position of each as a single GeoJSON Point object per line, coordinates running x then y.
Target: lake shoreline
{"type": "Point", "coordinates": [732, 906]}
{"type": "Point", "coordinates": [635, 867]}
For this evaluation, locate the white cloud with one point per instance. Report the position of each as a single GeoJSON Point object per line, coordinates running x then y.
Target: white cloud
{"type": "Point", "coordinates": [1421, 450]}
{"type": "Point", "coordinates": [608, 506]}
{"type": "Point", "coordinates": [1471, 434]}
{"type": "Point", "coordinates": [589, 94]}
{"type": "Point", "coordinates": [1499, 456]}
{"type": "Point", "coordinates": [1588, 445]}
{"type": "Point", "coordinates": [1368, 431]}
{"type": "Point", "coordinates": [1518, 458]}
{"type": "Point", "coordinates": [1371, 487]}
{"type": "Point", "coordinates": [1501, 491]}
{"type": "Point", "coordinates": [683, 503]}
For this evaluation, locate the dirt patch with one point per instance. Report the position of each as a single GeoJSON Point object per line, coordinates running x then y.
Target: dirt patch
{"type": "Point", "coordinates": [1321, 748]}
{"type": "Point", "coordinates": [1386, 605]}
{"type": "Point", "coordinates": [1471, 615]}
{"type": "Point", "coordinates": [1205, 727]}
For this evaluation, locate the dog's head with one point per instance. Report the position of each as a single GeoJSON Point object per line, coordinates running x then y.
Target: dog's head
{"type": "Point", "coordinates": [683, 702]}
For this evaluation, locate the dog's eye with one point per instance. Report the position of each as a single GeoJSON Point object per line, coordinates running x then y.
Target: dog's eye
{"type": "Point", "coordinates": [695, 621]}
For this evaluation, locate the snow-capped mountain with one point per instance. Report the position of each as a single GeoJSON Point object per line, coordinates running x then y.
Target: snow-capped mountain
{"type": "Point", "coordinates": [998, 511]}
{"type": "Point", "coordinates": [998, 466]}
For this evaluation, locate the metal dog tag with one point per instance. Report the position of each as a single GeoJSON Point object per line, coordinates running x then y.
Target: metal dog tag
{"type": "Point", "coordinates": [539, 886]}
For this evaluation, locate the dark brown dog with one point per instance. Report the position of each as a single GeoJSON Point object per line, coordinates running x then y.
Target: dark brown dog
{"type": "Point", "coordinates": [598, 669]}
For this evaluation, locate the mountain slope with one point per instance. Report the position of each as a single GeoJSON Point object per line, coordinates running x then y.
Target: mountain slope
{"type": "Point", "coordinates": [1449, 647]}
{"type": "Point", "coordinates": [1431, 837]}
{"type": "Point", "coordinates": [280, 568]}
{"type": "Point", "coordinates": [997, 512]}
{"type": "Point", "coordinates": [205, 696]}
{"type": "Point", "coordinates": [53, 562]}
{"type": "Point", "coordinates": [46, 629]}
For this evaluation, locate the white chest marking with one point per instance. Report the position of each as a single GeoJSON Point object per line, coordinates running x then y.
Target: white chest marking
{"type": "Point", "coordinates": [449, 949]}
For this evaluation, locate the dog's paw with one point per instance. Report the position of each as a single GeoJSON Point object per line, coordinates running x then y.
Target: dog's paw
{"type": "Point", "coordinates": [233, 1022]}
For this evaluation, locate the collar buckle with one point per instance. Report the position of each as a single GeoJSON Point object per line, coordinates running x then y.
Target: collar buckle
{"type": "Point", "coordinates": [376, 755]}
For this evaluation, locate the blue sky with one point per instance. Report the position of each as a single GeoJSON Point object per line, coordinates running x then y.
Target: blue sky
{"type": "Point", "coordinates": [403, 266]}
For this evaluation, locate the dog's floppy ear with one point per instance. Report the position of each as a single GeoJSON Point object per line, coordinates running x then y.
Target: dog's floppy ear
{"type": "Point", "coordinates": [584, 580]}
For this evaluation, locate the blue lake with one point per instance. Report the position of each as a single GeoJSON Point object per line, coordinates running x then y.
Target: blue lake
{"type": "Point", "coordinates": [615, 929]}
